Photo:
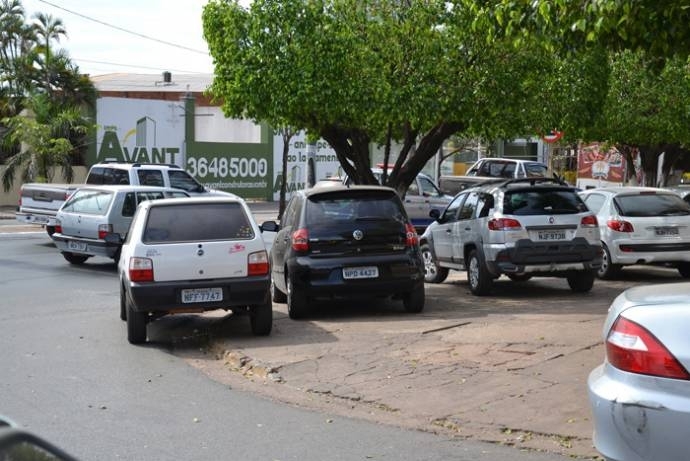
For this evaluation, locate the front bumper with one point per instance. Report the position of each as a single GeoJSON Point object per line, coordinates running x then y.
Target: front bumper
{"type": "Point", "coordinates": [83, 246]}
{"type": "Point", "coordinates": [166, 297]}
{"type": "Point", "coordinates": [639, 417]}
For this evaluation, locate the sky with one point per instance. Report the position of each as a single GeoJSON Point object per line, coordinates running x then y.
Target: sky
{"type": "Point", "coordinates": [100, 49]}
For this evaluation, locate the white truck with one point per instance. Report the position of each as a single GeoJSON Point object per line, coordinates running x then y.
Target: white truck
{"type": "Point", "coordinates": [40, 202]}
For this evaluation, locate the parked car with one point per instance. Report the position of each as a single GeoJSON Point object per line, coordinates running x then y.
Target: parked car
{"type": "Point", "coordinates": [193, 255]}
{"type": "Point", "coordinates": [345, 242]}
{"type": "Point", "coordinates": [494, 167]}
{"type": "Point", "coordinates": [422, 196]}
{"type": "Point", "coordinates": [641, 225]}
{"type": "Point", "coordinates": [519, 228]}
{"type": "Point", "coordinates": [640, 394]}
{"type": "Point", "coordinates": [451, 185]}
{"type": "Point", "coordinates": [91, 213]}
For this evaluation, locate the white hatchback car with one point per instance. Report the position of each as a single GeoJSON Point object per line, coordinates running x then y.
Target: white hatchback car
{"type": "Point", "coordinates": [641, 225]}
{"type": "Point", "coordinates": [193, 255]}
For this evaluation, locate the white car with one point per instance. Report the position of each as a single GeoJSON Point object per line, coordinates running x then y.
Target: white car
{"type": "Point", "coordinates": [641, 225]}
{"type": "Point", "coordinates": [193, 255]}
{"type": "Point", "coordinates": [498, 167]}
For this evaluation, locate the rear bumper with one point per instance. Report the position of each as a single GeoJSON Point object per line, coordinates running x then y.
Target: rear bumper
{"type": "Point", "coordinates": [635, 252]}
{"type": "Point", "coordinates": [35, 218]}
{"type": "Point", "coordinates": [637, 417]}
{"type": "Point", "coordinates": [84, 246]}
{"type": "Point", "coordinates": [166, 297]}
{"type": "Point", "coordinates": [323, 278]}
{"type": "Point", "coordinates": [527, 256]}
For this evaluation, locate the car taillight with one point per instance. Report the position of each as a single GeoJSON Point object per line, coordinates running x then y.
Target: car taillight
{"type": "Point", "coordinates": [141, 269]}
{"type": "Point", "coordinates": [631, 347]}
{"type": "Point", "coordinates": [500, 224]}
{"type": "Point", "coordinates": [619, 225]}
{"type": "Point", "coordinates": [257, 263]}
{"type": "Point", "coordinates": [58, 226]}
{"type": "Point", "coordinates": [411, 237]}
{"type": "Point", "coordinates": [589, 221]}
{"type": "Point", "coordinates": [300, 240]}
{"type": "Point", "coordinates": [104, 229]}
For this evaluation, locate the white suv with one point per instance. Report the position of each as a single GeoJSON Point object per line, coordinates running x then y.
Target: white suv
{"type": "Point", "coordinates": [519, 228]}
{"type": "Point", "coordinates": [507, 168]}
{"type": "Point", "coordinates": [193, 255]}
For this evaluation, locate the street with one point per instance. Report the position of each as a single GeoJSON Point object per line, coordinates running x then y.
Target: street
{"type": "Point", "coordinates": [70, 376]}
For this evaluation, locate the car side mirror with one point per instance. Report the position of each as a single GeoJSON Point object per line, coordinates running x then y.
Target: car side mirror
{"type": "Point", "coordinates": [269, 226]}
{"type": "Point", "coordinates": [19, 444]}
{"type": "Point", "coordinates": [113, 238]}
{"type": "Point", "coordinates": [435, 213]}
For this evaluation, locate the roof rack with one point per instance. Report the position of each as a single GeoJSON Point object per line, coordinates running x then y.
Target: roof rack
{"type": "Point", "coordinates": [533, 181]}
{"type": "Point", "coordinates": [138, 164]}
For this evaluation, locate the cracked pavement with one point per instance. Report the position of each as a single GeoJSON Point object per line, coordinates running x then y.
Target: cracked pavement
{"type": "Point", "coordinates": [509, 368]}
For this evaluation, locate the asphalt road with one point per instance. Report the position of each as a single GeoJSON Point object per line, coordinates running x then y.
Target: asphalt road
{"type": "Point", "coordinates": [69, 375]}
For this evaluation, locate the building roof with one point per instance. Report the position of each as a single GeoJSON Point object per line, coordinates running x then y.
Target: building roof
{"type": "Point", "coordinates": [151, 86]}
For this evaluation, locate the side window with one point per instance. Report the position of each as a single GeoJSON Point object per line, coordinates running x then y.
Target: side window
{"type": "Point", "coordinates": [129, 205]}
{"type": "Point", "coordinates": [468, 207]}
{"type": "Point", "coordinates": [143, 196]}
{"type": "Point", "coordinates": [509, 171]}
{"type": "Point", "coordinates": [150, 177]}
{"type": "Point", "coordinates": [95, 176]}
{"type": "Point", "coordinates": [484, 205]}
{"type": "Point", "coordinates": [182, 180]}
{"type": "Point", "coordinates": [451, 212]}
{"type": "Point", "coordinates": [115, 176]}
{"type": "Point", "coordinates": [594, 202]}
{"type": "Point", "coordinates": [429, 189]}
{"type": "Point", "coordinates": [289, 214]}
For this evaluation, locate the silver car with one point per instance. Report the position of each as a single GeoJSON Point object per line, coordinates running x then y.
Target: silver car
{"type": "Point", "coordinates": [93, 212]}
{"type": "Point", "coordinates": [640, 395]}
{"type": "Point", "coordinates": [641, 225]}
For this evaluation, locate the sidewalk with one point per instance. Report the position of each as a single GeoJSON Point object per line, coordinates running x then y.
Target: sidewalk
{"type": "Point", "coordinates": [7, 211]}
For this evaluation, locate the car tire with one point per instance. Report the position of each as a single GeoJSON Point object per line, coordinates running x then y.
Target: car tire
{"type": "Point", "coordinates": [123, 303]}
{"type": "Point", "coordinates": [136, 325]}
{"type": "Point", "coordinates": [413, 302]}
{"type": "Point", "coordinates": [433, 273]}
{"type": "Point", "coordinates": [608, 270]}
{"type": "Point", "coordinates": [261, 317]}
{"type": "Point", "coordinates": [296, 301]}
{"type": "Point", "coordinates": [581, 281]}
{"type": "Point", "coordinates": [684, 270]}
{"type": "Point", "coordinates": [277, 296]}
{"type": "Point", "coordinates": [477, 275]}
{"type": "Point", "coordinates": [74, 258]}
{"type": "Point", "coordinates": [519, 277]}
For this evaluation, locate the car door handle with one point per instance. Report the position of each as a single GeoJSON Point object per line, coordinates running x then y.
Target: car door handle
{"type": "Point", "coordinates": [448, 231]}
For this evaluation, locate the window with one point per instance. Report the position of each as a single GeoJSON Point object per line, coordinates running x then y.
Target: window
{"type": "Point", "coordinates": [182, 180]}
{"type": "Point", "coordinates": [651, 204]}
{"type": "Point", "coordinates": [451, 212]}
{"type": "Point", "coordinates": [429, 189]}
{"type": "Point", "coordinates": [150, 177]}
{"type": "Point", "coordinates": [197, 222]}
{"type": "Point", "coordinates": [468, 207]}
{"type": "Point", "coordinates": [594, 202]}
{"type": "Point", "coordinates": [89, 202]}
{"type": "Point", "coordinates": [536, 202]}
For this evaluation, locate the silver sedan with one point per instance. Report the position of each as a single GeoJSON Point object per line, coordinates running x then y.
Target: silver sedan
{"type": "Point", "coordinates": [640, 395]}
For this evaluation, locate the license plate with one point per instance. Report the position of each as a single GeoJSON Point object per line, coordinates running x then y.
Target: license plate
{"type": "Point", "coordinates": [369, 272]}
{"type": "Point", "coordinates": [41, 219]}
{"type": "Point", "coordinates": [666, 230]}
{"type": "Point", "coordinates": [76, 246]}
{"type": "Point", "coordinates": [202, 295]}
{"type": "Point", "coordinates": [551, 235]}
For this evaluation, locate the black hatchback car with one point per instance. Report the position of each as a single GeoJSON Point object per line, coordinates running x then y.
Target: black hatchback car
{"type": "Point", "coordinates": [346, 242]}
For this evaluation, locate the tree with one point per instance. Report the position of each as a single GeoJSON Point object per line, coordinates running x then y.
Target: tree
{"type": "Point", "coordinates": [361, 72]}
{"type": "Point", "coordinates": [43, 135]}
{"type": "Point", "coordinates": [48, 28]}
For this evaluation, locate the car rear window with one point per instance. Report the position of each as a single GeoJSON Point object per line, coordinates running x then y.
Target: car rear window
{"type": "Point", "coordinates": [329, 209]}
{"type": "Point", "coordinates": [197, 222]}
{"type": "Point", "coordinates": [86, 201]}
{"type": "Point", "coordinates": [107, 176]}
{"type": "Point", "coordinates": [651, 204]}
{"type": "Point", "coordinates": [543, 201]}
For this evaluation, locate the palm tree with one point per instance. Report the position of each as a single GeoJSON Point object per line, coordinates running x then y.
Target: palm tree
{"type": "Point", "coordinates": [48, 28]}
{"type": "Point", "coordinates": [43, 132]}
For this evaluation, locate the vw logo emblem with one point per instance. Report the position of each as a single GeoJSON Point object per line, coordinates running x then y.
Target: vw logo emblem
{"type": "Point", "coordinates": [358, 234]}
{"type": "Point", "coordinates": [551, 220]}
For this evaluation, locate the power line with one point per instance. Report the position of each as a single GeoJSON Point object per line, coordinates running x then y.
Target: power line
{"type": "Point", "coordinates": [137, 67]}
{"type": "Point", "coordinates": [124, 30]}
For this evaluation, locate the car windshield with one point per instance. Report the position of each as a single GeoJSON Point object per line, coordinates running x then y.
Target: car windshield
{"type": "Point", "coordinates": [535, 170]}
{"type": "Point", "coordinates": [89, 202]}
{"type": "Point", "coordinates": [536, 202]}
{"type": "Point", "coordinates": [651, 204]}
